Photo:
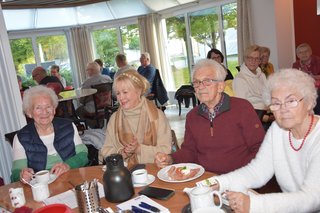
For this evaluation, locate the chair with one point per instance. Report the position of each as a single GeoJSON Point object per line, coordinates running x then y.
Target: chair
{"type": "Point", "coordinates": [55, 86]}
{"type": "Point", "coordinates": [102, 101]}
{"type": "Point", "coordinates": [10, 136]}
{"type": "Point", "coordinates": [158, 92]}
{"type": "Point", "coordinates": [184, 94]}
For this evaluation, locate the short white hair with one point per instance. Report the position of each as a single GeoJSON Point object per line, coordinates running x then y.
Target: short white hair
{"type": "Point", "coordinates": [35, 92]}
{"type": "Point", "coordinates": [217, 68]}
{"type": "Point", "coordinates": [302, 82]}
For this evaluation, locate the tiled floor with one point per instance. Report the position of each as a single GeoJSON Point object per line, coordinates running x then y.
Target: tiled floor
{"type": "Point", "coordinates": [177, 122]}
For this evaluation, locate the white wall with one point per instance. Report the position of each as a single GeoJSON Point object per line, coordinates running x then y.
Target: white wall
{"type": "Point", "coordinates": [273, 27]}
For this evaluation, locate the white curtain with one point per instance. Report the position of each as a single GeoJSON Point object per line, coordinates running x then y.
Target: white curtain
{"type": "Point", "coordinates": [11, 115]}
{"type": "Point", "coordinates": [244, 31]}
{"type": "Point", "coordinates": [82, 49]}
{"type": "Point", "coordinates": [152, 41]}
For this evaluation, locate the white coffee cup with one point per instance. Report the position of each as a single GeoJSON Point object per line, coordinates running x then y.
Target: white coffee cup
{"type": "Point", "coordinates": [42, 176]}
{"type": "Point", "coordinates": [140, 176]}
{"type": "Point", "coordinates": [40, 191]}
{"type": "Point", "coordinates": [17, 197]}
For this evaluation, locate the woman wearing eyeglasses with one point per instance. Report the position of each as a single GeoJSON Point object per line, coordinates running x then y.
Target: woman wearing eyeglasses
{"type": "Point", "coordinates": [290, 151]}
{"type": "Point", "coordinates": [223, 133]}
{"type": "Point", "coordinates": [46, 142]}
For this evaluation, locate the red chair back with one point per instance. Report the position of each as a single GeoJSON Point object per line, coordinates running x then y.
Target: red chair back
{"type": "Point", "coordinates": [55, 86]}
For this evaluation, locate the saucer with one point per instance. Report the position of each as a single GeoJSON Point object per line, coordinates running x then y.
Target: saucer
{"type": "Point", "coordinates": [150, 180]}
{"type": "Point", "coordinates": [52, 178]}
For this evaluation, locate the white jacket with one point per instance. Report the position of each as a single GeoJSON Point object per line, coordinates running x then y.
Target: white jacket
{"type": "Point", "coordinates": [249, 86]}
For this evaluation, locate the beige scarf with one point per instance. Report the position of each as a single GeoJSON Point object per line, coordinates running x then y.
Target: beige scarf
{"type": "Point", "coordinates": [146, 127]}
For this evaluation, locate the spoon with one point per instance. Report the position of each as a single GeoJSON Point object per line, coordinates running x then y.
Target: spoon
{"type": "Point", "coordinates": [26, 182]}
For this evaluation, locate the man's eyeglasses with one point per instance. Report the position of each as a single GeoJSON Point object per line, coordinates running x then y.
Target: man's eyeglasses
{"type": "Point", "coordinates": [205, 82]}
{"type": "Point", "coordinates": [287, 104]}
{"type": "Point", "coordinates": [253, 59]}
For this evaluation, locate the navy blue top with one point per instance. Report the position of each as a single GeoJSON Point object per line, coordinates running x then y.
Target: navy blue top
{"type": "Point", "coordinates": [149, 72]}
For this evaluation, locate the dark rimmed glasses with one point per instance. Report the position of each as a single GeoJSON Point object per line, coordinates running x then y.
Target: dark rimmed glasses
{"type": "Point", "coordinates": [205, 82]}
{"type": "Point", "coordinates": [292, 103]}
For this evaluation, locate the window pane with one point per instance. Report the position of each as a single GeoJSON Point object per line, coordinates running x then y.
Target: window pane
{"type": "Point", "coordinates": [19, 19]}
{"type": "Point", "coordinates": [229, 15]}
{"type": "Point", "coordinates": [55, 17]}
{"type": "Point", "coordinates": [204, 32]}
{"type": "Point", "coordinates": [106, 46]}
{"type": "Point", "coordinates": [23, 58]}
{"type": "Point", "coordinates": [54, 50]}
{"type": "Point", "coordinates": [177, 50]}
{"type": "Point", "coordinates": [131, 43]}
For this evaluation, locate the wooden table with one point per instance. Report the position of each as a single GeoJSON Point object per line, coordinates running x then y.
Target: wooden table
{"type": "Point", "coordinates": [78, 176]}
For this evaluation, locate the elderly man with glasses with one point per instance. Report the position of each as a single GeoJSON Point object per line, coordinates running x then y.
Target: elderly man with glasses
{"type": "Point", "coordinates": [222, 133]}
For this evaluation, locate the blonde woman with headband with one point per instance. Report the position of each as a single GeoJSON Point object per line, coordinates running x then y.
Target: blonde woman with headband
{"type": "Point", "coordinates": [138, 129]}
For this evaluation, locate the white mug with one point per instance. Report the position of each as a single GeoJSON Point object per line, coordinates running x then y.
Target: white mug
{"type": "Point", "coordinates": [140, 176]}
{"type": "Point", "coordinates": [42, 176]}
{"type": "Point", "coordinates": [40, 191]}
{"type": "Point", "coordinates": [17, 197]}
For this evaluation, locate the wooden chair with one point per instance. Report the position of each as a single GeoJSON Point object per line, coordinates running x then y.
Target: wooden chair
{"type": "Point", "coordinates": [102, 101]}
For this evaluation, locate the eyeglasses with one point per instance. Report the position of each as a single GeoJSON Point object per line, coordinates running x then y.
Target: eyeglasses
{"type": "Point", "coordinates": [253, 59]}
{"type": "Point", "coordinates": [216, 57]}
{"type": "Point", "coordinates": [40, 109]}
{"type": "Point", "coordinates": [287, 104]}
{"type": "Point", "coordinates": [205, 82]}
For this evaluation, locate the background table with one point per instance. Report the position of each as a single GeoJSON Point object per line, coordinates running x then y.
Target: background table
{"type": "Point", "coordinates": [78, 176]}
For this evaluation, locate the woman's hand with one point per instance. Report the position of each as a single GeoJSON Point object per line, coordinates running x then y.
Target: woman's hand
{"type": "Point", "coordinates": [59, 168]}
{"type": "Point", "coordinates": [26, 175]}
{"type": "Point", "coordinates": [238, 201]}
{"type": "Point", "coordinates": [133, 147]}
{"type": "Point", "coordinates": [163, 160]}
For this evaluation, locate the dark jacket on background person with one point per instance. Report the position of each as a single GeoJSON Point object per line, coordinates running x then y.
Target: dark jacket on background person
{"type": "Point", "coordinates": [158, 89]}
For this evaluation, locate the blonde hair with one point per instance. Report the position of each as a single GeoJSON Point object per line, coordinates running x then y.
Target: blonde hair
{"type": "Point", "coordinates": [136, 80]}
{"type": "Point", "coordinates": [250, 49]}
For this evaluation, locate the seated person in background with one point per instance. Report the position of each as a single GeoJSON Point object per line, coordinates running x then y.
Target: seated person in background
{"type": "Point", "coordinates": [250, 82]}
{"type": "Point", "coordinates": [39, 74]}
{"type": "Point", "coordinates": [138, 130]}
{"type": "Point", "coordinates": [265, 66]}
{"type": "Point", "coordinates": [94, 78]}
{"type": "Point", "coordinates": [146, 69]}
{"type": "Point", "coordinates": [123, 65]}
{"type": "Point", "coordinates": [216, 55]}
{"type": "Point", "coordinates": [47, 142]}
{"type": "Point", "coordinates": [21, 88]}
{"type": "Point", "coordinates": [103, 70]}
{"type": "Point", "coordinates": [222, 133]}
{"type": "Point", "coordinates": [307, 62]}
{"type": "Point", "coordinates": [290, 151]}
{"type": "Point", "coordinates": [55, 71]}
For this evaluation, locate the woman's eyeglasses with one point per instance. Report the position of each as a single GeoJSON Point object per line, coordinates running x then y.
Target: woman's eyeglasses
{"type": "Point", "coordinates": [287, 104]}
{"type": "Point", "coordinates": [205, 82]}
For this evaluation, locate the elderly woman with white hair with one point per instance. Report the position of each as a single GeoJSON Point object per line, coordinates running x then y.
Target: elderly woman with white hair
{"type": "Point", "coordinates": [47, 142]}
{"type": "Point", "coordinates": [290, 151]}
